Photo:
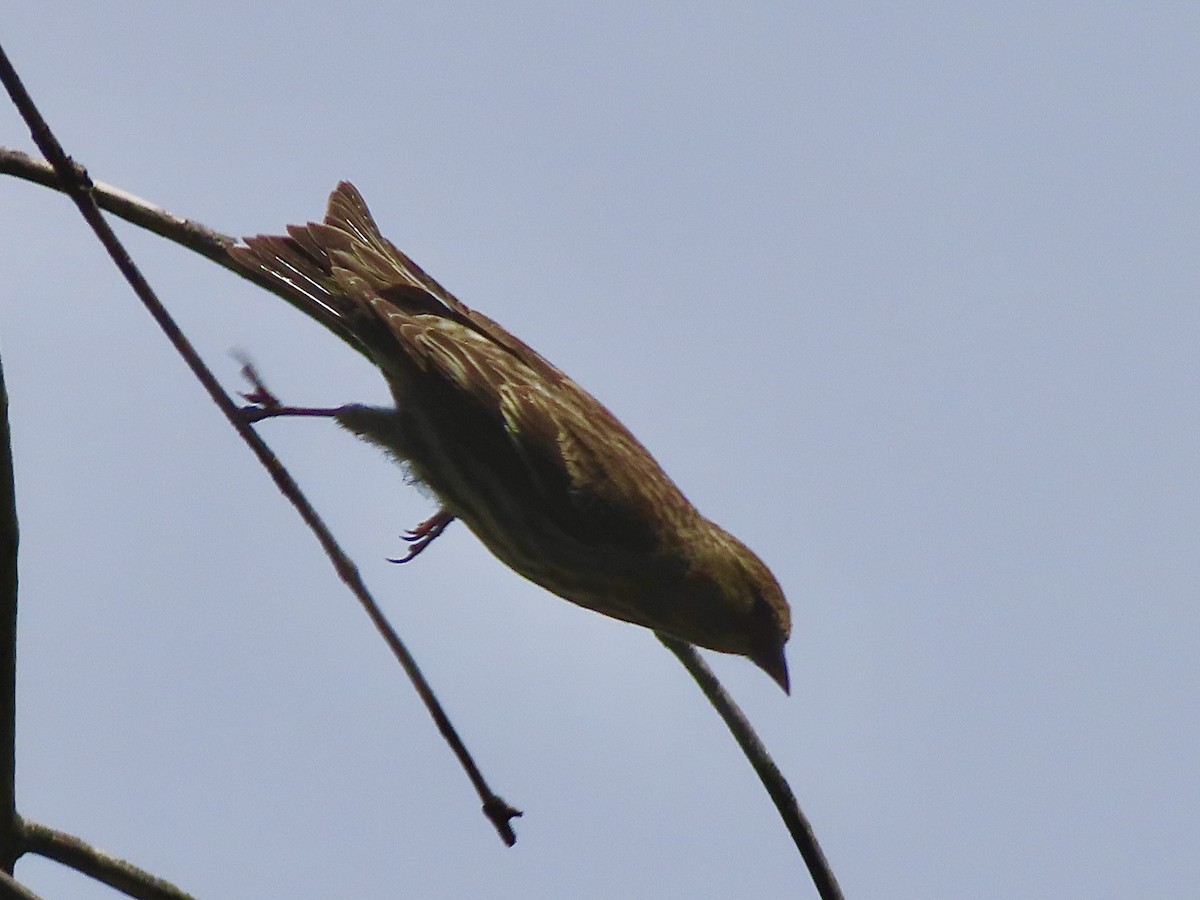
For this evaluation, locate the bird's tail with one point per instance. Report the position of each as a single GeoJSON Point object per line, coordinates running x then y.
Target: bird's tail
{"type": "Point", "coordinates": [326, 269]}
{"type": "Point", "coordinates": [333, 270]}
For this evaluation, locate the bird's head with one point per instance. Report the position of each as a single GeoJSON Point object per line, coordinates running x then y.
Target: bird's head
{"type": "Point", "coordinates": [743, 603]}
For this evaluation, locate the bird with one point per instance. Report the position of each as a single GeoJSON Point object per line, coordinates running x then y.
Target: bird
{"type": "Point", "coordinates": [540, 471]}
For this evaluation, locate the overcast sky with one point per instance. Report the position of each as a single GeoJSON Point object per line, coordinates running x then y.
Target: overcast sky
{"type": "Point", "coordinates": [907, 300]}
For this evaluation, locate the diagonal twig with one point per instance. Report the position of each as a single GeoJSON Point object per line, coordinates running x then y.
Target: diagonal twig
{"type": "Point", "coordinates": [75, 181]}
{"type": "Point", "coordinates": [11, 889]}
{"type": "Point", "coordinates": [104, 867]}
{"type": "Point", "coordinates": [199, 238]}
{"type": "Point", "coordinates": [777, 787]}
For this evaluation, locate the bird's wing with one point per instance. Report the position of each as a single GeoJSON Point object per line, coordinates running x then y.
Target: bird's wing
{"type": "Point", "coordinates": [351, 239]}
{"type": "Point", "coordinates": [576, 452]}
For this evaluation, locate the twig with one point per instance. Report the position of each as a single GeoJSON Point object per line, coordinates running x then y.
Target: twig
{"type": "Point", "coordinates": [83, 857]}
{"type": "Point", "coordinates": [79, 186]}
{"type": "Point", "coordinates": [211, 244]}
{"type": "Point", "coordinates": [9, 845]}
{"type": "Point", "coordinates": [11, 889]}
{"type": "Point", "coordinates": [772, 779]}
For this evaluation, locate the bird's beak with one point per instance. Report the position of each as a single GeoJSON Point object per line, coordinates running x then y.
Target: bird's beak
{"type": "Point", "coordinates": [774, 663]}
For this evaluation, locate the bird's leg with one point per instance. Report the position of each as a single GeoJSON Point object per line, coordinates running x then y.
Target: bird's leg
{"type": "Point", "coordinates": [260, 395]}
{"type": "Point", "coordinates": [425, 534]}
{"type": "Point", "coordinates": [265, 405]}
{"type": "Point", "coordinates": [256, 413]}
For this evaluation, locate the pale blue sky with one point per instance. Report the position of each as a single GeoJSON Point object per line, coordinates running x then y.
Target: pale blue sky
{"type": "Point", "coordinates": [907, 299]}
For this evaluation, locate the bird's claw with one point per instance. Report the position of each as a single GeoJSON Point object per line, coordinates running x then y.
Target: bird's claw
{"type": "Point", "coordinates": [260, 396]}
{"type": "Point", "coordinates": [424, 534]}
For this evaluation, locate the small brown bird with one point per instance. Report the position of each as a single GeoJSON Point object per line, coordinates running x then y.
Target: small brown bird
{"type": "Point", "coordinates": [537, 468]}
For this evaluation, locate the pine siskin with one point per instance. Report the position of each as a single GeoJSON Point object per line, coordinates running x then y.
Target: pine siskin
{"type": "Point", "coordinates": [539, 470]}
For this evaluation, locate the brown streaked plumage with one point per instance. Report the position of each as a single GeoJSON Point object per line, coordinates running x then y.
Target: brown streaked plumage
{"type": "Point", "coordinates": [537, 468]}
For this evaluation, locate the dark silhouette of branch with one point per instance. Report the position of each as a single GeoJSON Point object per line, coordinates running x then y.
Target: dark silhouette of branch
{"type": "Point", "coordinates": [11, 889]}
{"type": "Point", "coordinates": [212, 245]}
{"type": "Point", "coordinates": [75, 182]}
{"type": "Point", "coordinates": [9, 844]}
{"type": "Point", "coordinates": [83, 857]}
{"type": "Point", "coordinates": [772, 779]}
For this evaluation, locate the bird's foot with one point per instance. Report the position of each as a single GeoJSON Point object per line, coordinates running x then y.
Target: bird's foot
{"type": "Point", "coordinates": [425, 534]}
{"type": "Point", "coordinates": [263, 404]}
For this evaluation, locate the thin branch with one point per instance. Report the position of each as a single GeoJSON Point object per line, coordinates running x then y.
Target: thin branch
{"type": "Point", "coordinates": [772, 779]}
{"type": "Point", "coordinates": [209, 243]}
{"type": "Point", "coordinates": [11, 889]}
{"type": "Point", "coordinates": [79, 186]}
{"type": "Point", "coordinates": [83, 857]}
{"type": "Point", "coordinates": [8, 642]}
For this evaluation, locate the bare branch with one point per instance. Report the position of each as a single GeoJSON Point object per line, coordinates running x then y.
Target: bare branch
{"type": "Point", "coordinates": [211, 244]}
{"type": "Point", "coordinates": [83, 857]}
{"type": "Point", "coordinates": [772, 779]}
{"type": "Point", "coordinates": [80, 188]}
{"type": "Point", "coordinates": [9, 844]}
{"type": "Point", "coordinates": [11, 888]}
